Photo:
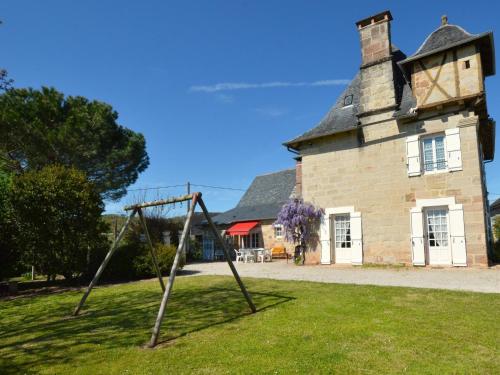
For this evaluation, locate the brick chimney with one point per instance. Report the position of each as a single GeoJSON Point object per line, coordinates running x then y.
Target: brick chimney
{"type": "Point", "coordinates": [377, 78]}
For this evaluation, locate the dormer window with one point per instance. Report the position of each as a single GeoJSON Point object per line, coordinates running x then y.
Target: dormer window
{"type": "Point", "coordinates": [347, 100]}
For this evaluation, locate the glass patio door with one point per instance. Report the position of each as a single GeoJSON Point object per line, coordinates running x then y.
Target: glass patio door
{"type": "Point", "coordinates": [438, 243]}
{"type": "Point", "coordinates": [342, 238]}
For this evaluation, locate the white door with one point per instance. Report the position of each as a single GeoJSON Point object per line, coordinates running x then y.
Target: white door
{"type": "Point", "coordinates": [342, 238]}
{"type": "Point", "coordinates": [438, 237]}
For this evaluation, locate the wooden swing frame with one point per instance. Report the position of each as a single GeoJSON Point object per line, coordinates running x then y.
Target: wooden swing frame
{"type": "Point", "coordinates": [195, 198]}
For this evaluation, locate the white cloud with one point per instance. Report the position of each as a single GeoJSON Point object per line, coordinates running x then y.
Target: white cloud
{"type": "Point", "coordinates": [229, 86]}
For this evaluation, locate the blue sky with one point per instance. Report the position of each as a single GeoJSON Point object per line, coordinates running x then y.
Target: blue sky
{"type": "Point", "coordinates": [198, 78]}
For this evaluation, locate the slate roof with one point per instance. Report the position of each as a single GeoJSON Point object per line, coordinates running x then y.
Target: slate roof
{"type": "Point", "coordinates": [342, 118]}
{"type": "Point", "coordinates": [408, 101]}
{"type": "Point", "coordinates": [339, 118]}
{"type": "Point", "coordinates": [442, 38]}
{"type": "Point", "coordinates": [263, 199]}
{"type": "Point", "coordinates": [495, 208]}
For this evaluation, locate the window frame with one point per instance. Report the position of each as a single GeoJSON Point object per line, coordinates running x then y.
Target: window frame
{"type": "Point", "coordinates": [435, 170]}
{"type": "Point", "coordinates": [351, 96]}
{"type": "Point", "coordinates": [254, 240]}
{"type": "Point", "coordinates": [343, 231]}
{"type": "Point", "coordinates": [280, 228]}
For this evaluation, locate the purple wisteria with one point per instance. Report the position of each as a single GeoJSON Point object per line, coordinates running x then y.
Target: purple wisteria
{"type": "Point", "coordinates": [300, 220]}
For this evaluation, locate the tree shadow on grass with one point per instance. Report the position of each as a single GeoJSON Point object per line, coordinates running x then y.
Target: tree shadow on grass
{"type": "Point", "coordinates": [47, 335]}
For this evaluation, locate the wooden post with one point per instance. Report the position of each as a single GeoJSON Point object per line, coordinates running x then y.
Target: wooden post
{"type": "Point", "coordinates": [173, 271]}
{"type": "Point", "coordinates": [227, 255]}
{"type": "Point", "coordinates": [105, 262]}
{"type": "Point", "coordinates": [159, 202]}
{"type": "Point", "coordinates": [151, 248]}
{"type": "Point", "coordinates": [186, 248]}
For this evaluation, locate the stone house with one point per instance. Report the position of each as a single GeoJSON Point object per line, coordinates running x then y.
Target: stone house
{"type": "Point", "coordinates": [251, 224]}
{"type": "Point", "coordinates": [495, 215]}
{"type": "Point", "coordinates": [397, 162]}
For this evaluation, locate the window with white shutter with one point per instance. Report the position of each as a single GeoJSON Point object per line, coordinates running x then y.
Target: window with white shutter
{"type": "Point", "coordinates": [413, 156]}
{"type": "Point", "coordinates": [434, 154]}
{"type": "Point", "coordinates": [453, 150]}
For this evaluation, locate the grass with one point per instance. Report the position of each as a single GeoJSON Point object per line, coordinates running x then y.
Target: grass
{"type": "Point", "coordinates": [301, 327]}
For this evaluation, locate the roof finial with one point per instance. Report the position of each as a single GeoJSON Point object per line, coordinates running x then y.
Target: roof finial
{"type": "Point", "coordinates": [444, 20]}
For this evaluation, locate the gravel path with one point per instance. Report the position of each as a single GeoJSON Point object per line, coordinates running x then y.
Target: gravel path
{"type": "Point", "coordinates": [478, 280]}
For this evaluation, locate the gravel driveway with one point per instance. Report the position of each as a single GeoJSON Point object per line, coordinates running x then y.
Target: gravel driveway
{"type": "Point", "coordinates": [470, 279]}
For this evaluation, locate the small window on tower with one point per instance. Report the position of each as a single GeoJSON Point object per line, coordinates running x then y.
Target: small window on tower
{"type": "Point", "coordinates": [466, 64]}
{"type": "Point", "coordinates": [347, 100]}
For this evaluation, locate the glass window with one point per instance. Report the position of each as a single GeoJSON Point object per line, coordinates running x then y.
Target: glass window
{"type": "Point", "coordinates": [254, 240]}
{"type": "Point", "coordinates": [278, 231]}
{"type": "Point", "coordinates": [342, 231]}
{"type": "Point", "coordinates": [437, 227]}
{"type": "Point", "coordinates": [434, 155]}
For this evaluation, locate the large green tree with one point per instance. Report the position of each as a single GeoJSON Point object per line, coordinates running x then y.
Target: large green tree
{"type": "Point", "coordinates": [42, 127]}
{"type": "Point", "coordinates": [57, 213]}
{"type": "Point", "coordinates": [9, 257]}
{"type": "Point", "coordinates": [5, 81]}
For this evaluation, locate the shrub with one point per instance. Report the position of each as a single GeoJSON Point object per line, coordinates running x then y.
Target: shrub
{"type": "Point", "coordinates": [496, 228]}
{"type": "Point", "coordinates": [195, 251]}
{"type": "Point", "coordinates": [57, 214]}
{"type": "Point", "coordinates": [143, 264]}
{"type": "Point", "coordinates": [496, 251]}
{"type": "Point", "coordinates": [124, 264]}
{"type": "Point", "coordinates": [166, 255]}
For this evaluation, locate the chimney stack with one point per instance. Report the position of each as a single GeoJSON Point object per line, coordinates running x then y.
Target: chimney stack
{"type": "Point", "coordinates": [377, 77]}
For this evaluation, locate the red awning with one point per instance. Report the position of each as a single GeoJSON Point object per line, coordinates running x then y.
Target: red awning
{"type": "Point", "coordinates": [241, 229]}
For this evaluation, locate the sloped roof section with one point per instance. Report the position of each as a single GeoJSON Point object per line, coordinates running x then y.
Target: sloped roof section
{"type": "Point", "coordinates": [340, 118]}
{"type": "Point", "coordinates": [443, 37]}
{"type": "Point", "coordinates": [263, 199]}
{"type": "Point", "coordinates": [408, 101]}
{"type": "Point", "coordinates": [495, 208]}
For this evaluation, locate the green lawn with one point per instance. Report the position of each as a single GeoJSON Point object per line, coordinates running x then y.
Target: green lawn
{"type": "Point", "coordinates": [301, 327]}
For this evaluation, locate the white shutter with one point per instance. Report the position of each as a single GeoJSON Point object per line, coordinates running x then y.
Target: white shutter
{"type": "Point", "coordinates": [457, 235]}
{"type": "Point", "coordinates": [413, 155]}
{"type": "Point", "coordinates": [417, 237]}
{"type": "Point", "coordinates": [356, 238]}
{"type": "Point", "coordinates": [454, 153]}
{"type": "Point", "coordinates": [324, 237]}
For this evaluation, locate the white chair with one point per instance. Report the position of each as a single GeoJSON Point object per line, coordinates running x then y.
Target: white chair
{"type": "Point", "coordinates": [248, 255]}
{"type": "Point", "coordinates": [268, 254]}
{"type": "Point", "coordinates": [261, 254]}
{"type": "Point", "coordinates": [239, 256]}
{"type": "Point", "coordinates": [264, 254]}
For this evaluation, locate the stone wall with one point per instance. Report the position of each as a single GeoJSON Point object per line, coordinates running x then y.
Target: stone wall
{"type": "Point", "coordinates": [270, 241]}
{"type": "Point", "coordinates": [373, 178]}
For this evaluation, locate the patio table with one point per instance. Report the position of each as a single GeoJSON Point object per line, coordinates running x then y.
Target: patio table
{"type": "Point", "coordinates": [246, 253]}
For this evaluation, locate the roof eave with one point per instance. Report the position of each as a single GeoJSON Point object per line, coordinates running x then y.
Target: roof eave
{"type": "Point", "coordinates": [294, 143]}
